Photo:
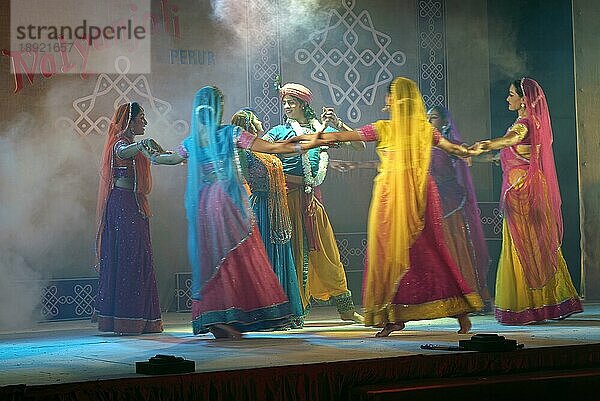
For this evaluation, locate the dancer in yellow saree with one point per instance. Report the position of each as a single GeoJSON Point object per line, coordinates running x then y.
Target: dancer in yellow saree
{"type": "Point", "coordinates": [410, 274]}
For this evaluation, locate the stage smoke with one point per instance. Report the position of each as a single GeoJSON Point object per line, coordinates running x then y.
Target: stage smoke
{"type": "Point", "coordinates": [294, 19]}
{"type": "Point", "coordinates": [47, 214]}
{"type": "Point", "coordinates": [505, 57]}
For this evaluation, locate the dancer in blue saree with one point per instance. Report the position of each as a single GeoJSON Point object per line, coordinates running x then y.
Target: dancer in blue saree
{"type": "Point", "coordinates": [265, 177]}
{"type": "Point", "coordinates": [234, 288]}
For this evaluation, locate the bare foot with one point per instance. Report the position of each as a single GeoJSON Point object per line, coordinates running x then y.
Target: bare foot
{"type": "Point", "coordinates": [389, 328]}
{"type": "Point", "coordinates": [352, 316]}
{"type": "Point", "coordinates": [220, 330]}
{"type": "Point", "coordinates": [465, 324]}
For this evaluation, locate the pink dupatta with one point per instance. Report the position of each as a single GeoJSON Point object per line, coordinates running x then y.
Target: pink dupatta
{"type": "Point", "coordinates": [530, 195]}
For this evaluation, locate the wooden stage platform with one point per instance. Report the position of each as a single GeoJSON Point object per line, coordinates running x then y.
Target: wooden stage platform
{"type": "Point", "coordinates": [327, 360]}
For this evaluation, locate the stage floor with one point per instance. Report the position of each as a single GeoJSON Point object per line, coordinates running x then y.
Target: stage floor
{"type": "Point", "coordinates": [64, 352]}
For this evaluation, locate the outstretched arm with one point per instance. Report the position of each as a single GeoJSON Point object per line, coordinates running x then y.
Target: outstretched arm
{"type": "Point", "coordinates": [509, 139]}
{"type": "Point", "coordinates": [167, 158]}
{"type": "Point", "coordinates": [356, 145]}
{"type": "Point", "coordinates": [128, 151]}
{"type": "Point", "coordinates": [330, 118]}
{"type": "Point", "coordinates": [515, 134]}
{"type": "Point", "coordinates": [330, 137]}
{"type": "Point", "coordinates": [457, 150]}
{"type": "Point", "coordinates": [313, 141]}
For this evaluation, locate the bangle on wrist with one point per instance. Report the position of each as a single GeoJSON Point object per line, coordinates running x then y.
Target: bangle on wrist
{"type": "Point", "coordinates": [297, 148]}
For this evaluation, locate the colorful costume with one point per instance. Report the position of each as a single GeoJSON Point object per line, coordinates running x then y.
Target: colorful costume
{"type": "Point", "coordinates": [533, 283]}
{"type": "Point", "coordinates": [266, 184]}
{"type": "Point", "coordinates": [232, 279]}
{"type": "Point", "coordinates": [316, 255]}
{"type": "Point", "coordinates": [127, 300]}
{"type": "Point", "coordinates": [463, 230]}
{"type": "Point", "coordinates": [410, 274]}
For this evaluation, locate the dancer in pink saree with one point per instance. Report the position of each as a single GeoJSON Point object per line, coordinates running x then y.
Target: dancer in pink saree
{"type": "Point", "coordinates": [532, 283]}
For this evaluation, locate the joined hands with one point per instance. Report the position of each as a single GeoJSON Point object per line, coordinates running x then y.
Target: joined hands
{"type": "Point", "coordinates": [480, 147]}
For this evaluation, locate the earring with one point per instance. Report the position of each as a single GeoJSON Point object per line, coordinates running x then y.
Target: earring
{"type": "Point", "coordinates": [522, 105]}
{"type": "Point", "coordinates": [386, 108]}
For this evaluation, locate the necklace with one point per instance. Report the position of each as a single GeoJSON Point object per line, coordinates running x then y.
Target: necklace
{"type": "Point", "coordinates": [311, 181]}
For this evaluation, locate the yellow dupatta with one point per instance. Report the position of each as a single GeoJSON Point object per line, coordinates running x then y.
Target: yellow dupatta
{"type": "Point", "coordinates": [396, 215]}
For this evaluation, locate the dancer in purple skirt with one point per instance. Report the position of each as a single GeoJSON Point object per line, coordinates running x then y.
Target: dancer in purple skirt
{"type": "Point", "coordinates": [127, 300]}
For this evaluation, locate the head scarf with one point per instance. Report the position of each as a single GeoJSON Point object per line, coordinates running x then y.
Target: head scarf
{"type": "Point", "coordinates": [119, 126]}
{"type": "Point", "coordinates": [534, 203]}
{"type": "Point", "coordinates": [542, 157]}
